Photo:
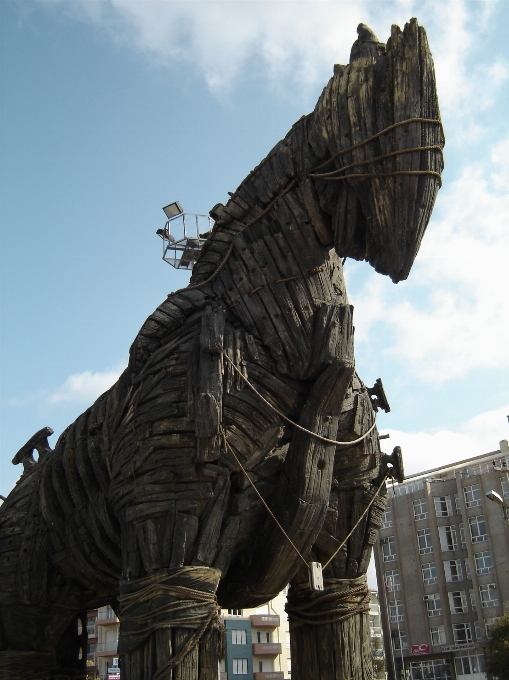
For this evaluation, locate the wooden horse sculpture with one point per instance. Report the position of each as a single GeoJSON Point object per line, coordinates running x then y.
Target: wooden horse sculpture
{"type": "Point", "coordinates": [240, 387]}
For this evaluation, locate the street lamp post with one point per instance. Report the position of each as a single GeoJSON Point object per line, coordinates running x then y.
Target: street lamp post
{"type": "Point", "coordinates": [497, 498]}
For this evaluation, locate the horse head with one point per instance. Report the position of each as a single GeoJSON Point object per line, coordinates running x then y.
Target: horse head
{"type": "Point", "coordinates": [377, 124]}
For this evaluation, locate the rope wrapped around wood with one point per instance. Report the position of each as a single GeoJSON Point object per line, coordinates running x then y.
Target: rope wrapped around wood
{"type": "Point", "coordinates": [340, 599]}
{"type": "Point", "coordinates": [183, 597]}
{"type": "Point", "coordinates": [17, 665]}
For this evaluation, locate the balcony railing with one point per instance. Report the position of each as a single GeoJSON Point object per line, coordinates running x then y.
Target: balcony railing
{"type": "Point", "coordinates": [110, 646]}
{"type": "Point", "coordinates": [106, 614]}
{"type": "Point", "coordinates": [264, 620]}
{"type": "Point", "coordinates": [266, 648]}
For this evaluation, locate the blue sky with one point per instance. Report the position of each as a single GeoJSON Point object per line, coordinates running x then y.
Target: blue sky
{"type": "Point", "coordinates": [111, 109]}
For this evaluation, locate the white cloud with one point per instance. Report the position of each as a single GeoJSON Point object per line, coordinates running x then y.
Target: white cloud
{"type": "Point", "coordinates": [452, 315]}
{"type": "Point", "coordinates": [295, 42]}
{"type": "Point", "coordinates": [431, 449]}
{"type": "Point", "coordinates": [84, 388]}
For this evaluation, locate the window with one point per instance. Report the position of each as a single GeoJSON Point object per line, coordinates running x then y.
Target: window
{"type": "Point", "coordinates": [437, 635]}
{"type": "Point", "coordinates": [462, 535]}
{"type": "Point", "coordinates": [468, 665]}
{"type": "Point", "coordinates": [472, 496]}
{"type": "Point", "coordinates": [453, 571]}
{"type": "Point", "coordinates": [239, 637]}
{"type": "Point", "coordinates": [443, 506]}
{"type": "Point", "coordinates": [483, 564]}
{"type": "Point", "coordinates": [424, 540]}
{"type": "Point", "coordinates": [448, 539]}
{"type": "Point", "coordinates": [420, 509]}
{"type": "Point", "coordinates": [477, 629]}
{"type": "Point", "coordinates": [488, 624]}
{"type": "Point", "coordinates": [488, 594]}
{"type": "Point", "coordinates": [91, 625]}
{"type": "Point", "coordinates": [473, 605]}
{"type": "Point", "coordinates": [462, 633]}
{"type": "Point", "coordinates": [505, 488]}
{"type": "Point", "coordinates": [457, 504]}
{"type": "Point", "coordinates": [468, 571]}
{"type": "Point", "coordinates": [433, 604]}
{"type": "Point", "coordinates": [399, 640]}
{"type": "Point", "coordinates": [260, 666]}
{"type": "Point", "coordinates": [437, 669]}
{"type": "Point", "coordinates": [91, 652]}
{"type": "Point", "coordinates": [387, 520]}
{"type": "Point", "coordinates": [392, 580]}
{"type": "Point", "coordinates": [396, 611]}
{"type": "Point", "coordinates": [458, 602]}
{"type": "Point", "coordinates": [263, 637]}
{"type": "Point", "coordinates": [389, 548]}
{"type": "Point", "coordinates": [239, 666]}
{"type": "Point", "coordinates": [429, 573]}
{"type": "Point", "coordinates": [235, 612]}
{"type": "Point", "coordinates": [477, 529]}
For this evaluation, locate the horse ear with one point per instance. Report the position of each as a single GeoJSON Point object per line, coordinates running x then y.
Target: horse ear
{"type": "Point", "coordinates": [366, 45]}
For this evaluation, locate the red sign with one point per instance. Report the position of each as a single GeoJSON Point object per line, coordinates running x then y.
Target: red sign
{"type": "Point", "coordinates": [420, 649]}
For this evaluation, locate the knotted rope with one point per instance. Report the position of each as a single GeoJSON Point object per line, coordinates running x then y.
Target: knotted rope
{"type": "Point", "coordinates": [334, 176]}
{"type": "Point", "coordinates": [183, 597]}
{"type": "Point", "coordinates": [340, 599]}
{"type": "Point", "coordinates": [16, 665]}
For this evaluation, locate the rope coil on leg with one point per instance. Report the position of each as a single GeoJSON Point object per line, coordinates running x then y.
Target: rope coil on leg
{"type": "Point", "coordinates": [183, 597]}
{"type": "Point", "coordinates": [340, 599]}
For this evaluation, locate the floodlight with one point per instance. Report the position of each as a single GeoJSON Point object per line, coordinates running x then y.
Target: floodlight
{"type": "Point", "coordinates": [494, 496]}
{"type": "Point", "coordinates": [173, 209]}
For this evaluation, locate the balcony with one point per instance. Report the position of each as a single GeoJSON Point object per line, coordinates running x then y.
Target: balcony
{"type": "Point", "coordinates": [269, 675]}
{"type": "Point", "coordinates": [264, 621]}
{"type": "Point", "coordinates": [266, 648]}
{"type": "Point", "coordinates": [106, 648]}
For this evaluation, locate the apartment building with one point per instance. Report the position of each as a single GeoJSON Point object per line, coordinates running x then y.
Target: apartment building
{"type": "Point", "coordinates": [443, 568]}
{"type": "Point", "coordinates": [257, 643]}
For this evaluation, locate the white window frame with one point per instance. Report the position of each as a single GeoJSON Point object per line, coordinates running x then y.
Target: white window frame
{"type": "Point", "coordinates": [399, 640]}
{"type": "Point", "coordinates": [477, 631]}
{"type": "Point", "coordinates": [462, 633]}
{"type": "Point", "coordinates": [392, 581]}
{"type": "Point", "coordinates": [389, 549]}
{"type": "Point", "coordinates": [489, 596]}
{"type": "Point", "coordinates": [239, 636]}
{"type": "Point", "coordinates": [240, 667]}
{"type": "Point", "coordinates": [472, 495]}
{"type": "Point", "coordinates": [477, 522]}
{"type": "Point", "coordinates": [448, 538]}
{"type": "Point", "coordinates": [433, 604]}
{"type": "Point", "coordinates": [469, 664]}
{"type": "Point", "coordinates": [387, 518]}
{"type": "Point", "coordinates": [428, 543]}
{"type": "Point", "coordinates": [420, 507]}
{"type": "Point", "coordinates": [463, 540]}
{"type": "Point", "coordinates": [396, 611]}
{"type": "Point", "coordinates": [473, 605]}
{"type": "Point", "coordinates": [438, 635]}
{"type": "Point", "coordinates": [453, 571]}
{"type": "Point", "coordinates": [443, 506]}
{"type": "Point", "coordinates": [429, 567]}
{"type": "Point", "coordinates": [483, 562]}
{"type": "Point", "coordinates": [458, 602]}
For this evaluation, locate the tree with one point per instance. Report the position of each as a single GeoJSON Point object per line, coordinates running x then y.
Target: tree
{"type": "Point", "coordinates": [497, 656]}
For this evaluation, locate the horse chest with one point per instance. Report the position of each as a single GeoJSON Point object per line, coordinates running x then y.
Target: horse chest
{"type": "Point", "coordinates": [275, 286]}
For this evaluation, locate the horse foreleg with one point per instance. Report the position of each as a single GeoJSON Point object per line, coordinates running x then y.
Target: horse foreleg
{"type": "Point", "coordinates": [330, 632]}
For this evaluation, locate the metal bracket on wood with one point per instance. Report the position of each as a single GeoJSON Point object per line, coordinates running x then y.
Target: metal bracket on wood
{"type": "Point", "coordinates": [39, 442]}
{"type": "Point", "coordinates": [377, 395]}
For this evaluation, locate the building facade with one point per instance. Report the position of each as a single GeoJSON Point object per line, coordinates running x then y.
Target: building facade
{"type": "Point", "coordinates": [442, 565]}
{"type": "Point", "coordinates": [257, 643]}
